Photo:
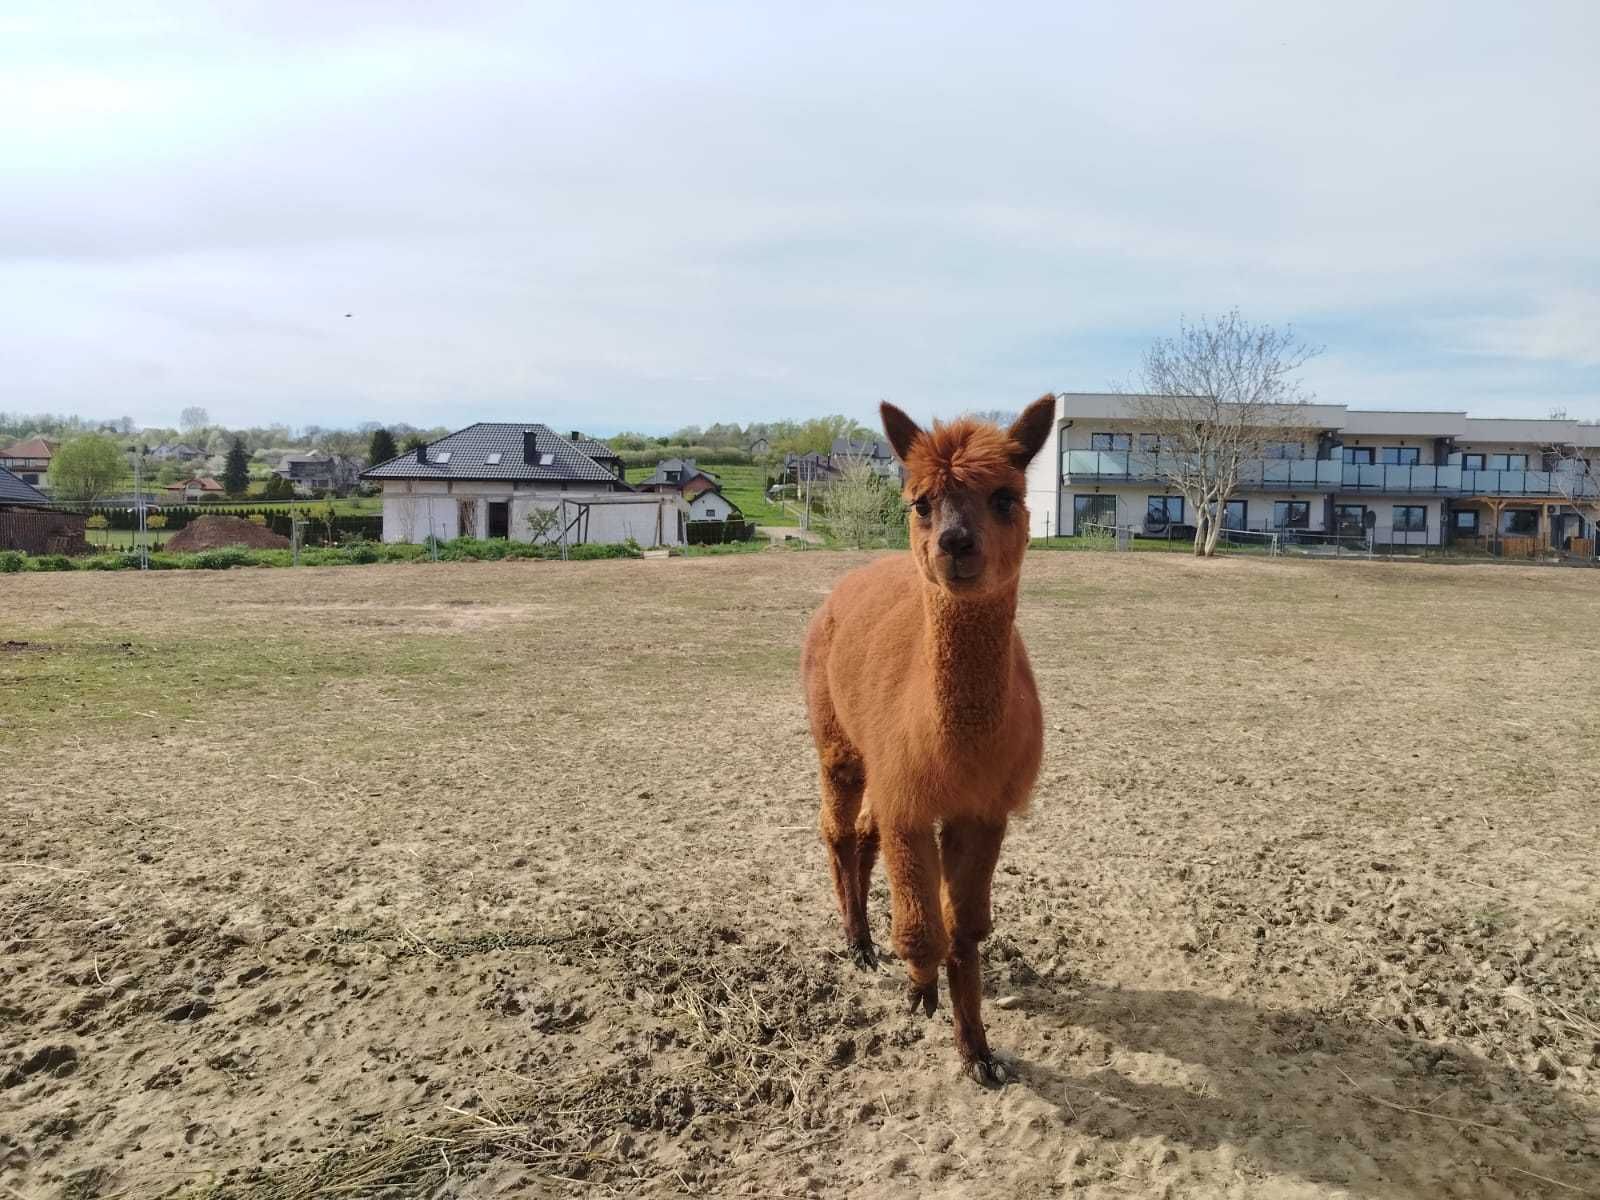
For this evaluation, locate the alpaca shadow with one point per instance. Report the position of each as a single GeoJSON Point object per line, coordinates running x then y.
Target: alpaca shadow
{"type": "Point", "coordinates": [1294, 1092]}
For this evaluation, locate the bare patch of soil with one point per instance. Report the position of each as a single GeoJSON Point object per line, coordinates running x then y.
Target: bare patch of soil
{"type": "Point", "coordinates": [489, 879]}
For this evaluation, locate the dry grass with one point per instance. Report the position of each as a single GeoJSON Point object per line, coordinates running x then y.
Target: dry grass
{"type": "Point", "coordinates": [503, 876]}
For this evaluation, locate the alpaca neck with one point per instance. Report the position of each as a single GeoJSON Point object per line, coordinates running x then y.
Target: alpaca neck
{"type": "Point", "coordinates": [969, 653]}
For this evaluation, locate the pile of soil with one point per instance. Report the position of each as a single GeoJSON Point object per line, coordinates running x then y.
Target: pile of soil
{"type": "Point", "coordinates": [212, 533]}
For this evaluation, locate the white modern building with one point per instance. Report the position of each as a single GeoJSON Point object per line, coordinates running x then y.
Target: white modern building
{"type": "Point", "coordinates": [1402, 478]}
{"type": "Point", "coordinates": [518, 481]}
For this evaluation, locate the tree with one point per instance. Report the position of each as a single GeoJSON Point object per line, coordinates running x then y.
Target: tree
{"type": "Point", "coordinates": [1575, 474]}
{"type": "Point", "coordinates": [236, 474]}
{"type": "Point", "coordinates": [1216, 401]}
{"type": "Point", "coordinates": [87, 468]}
{"type": "Point", "coordinates": [544, 524]}
{"type": "Point", "coordinates": [862, 505]}
{"type": "Point", "coordinates": [818, 434]}
{"type": "Point", "coordinates": [413, 440]}
{"type": "Point", "coordinates": [277, 488]}
{"type": "Point", "coordinates": [193, 420]}
{"type": "Point", "coordinates": [381, 448]}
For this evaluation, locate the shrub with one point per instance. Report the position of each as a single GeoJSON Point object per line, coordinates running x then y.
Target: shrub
{"type": "Point", "coordinates": [223, 558]}
{"type": "Point", "coordinates": [257, 518]}
{"type": "Point", "coordinates": [50, 562]}
{"type": "Point", "coordinates": [361, 551]}
{"type": "Point", "coordinates": [155, 521]}
{"type": "Point", "coordinates": [108, 562]}
{"type": "Point", "coordinates": [12, 561]}
{"type": "Point", "coordinates": [97, 521]}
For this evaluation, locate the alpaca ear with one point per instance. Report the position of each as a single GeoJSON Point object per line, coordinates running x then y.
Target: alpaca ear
{"type": "Point", "coordinates": [902, 430]}
{"type": "Point", "coordinates": [1032, 428]}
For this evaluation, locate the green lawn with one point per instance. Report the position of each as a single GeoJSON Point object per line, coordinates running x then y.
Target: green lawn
{"type": "Point", "coordinates": [744, 485]}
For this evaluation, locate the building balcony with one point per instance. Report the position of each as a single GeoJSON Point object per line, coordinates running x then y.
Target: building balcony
{"type": "Point", "coordinates": [1312, 474]}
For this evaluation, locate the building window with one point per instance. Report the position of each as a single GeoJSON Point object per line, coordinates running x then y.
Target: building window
{"type": "Point", "coordinates": [1291, 514]}
{"type": "Point", "coordinates": [1236, 515]}
{"type": "Point", "coordinates": [1093, 510]}
{"type": "Point", "coordinates": [1400, 456]}
{"type": "Point", "coordinates": [1508, 462]}
{"type": "Point", "coordinates": [1410, 518]}
{"type": "Point", "coordinates": [1164, 510]}
{"type": "Point", "coordinates": [1150, 443]}
{"type": "Point", "coordinates": [1284, 450]}
{"type": "Point", "coordinates": [1350, 518]}
{"type": "Point", "coordinates": [1472, 462]}
{"type": "Point", "coordinates": [1523, 521]}
{"type": "Point", "coordinates": [1467, 522]}
{"type": "Point", "coordinates": [1358, 456]}
{"type": "Point", "coordinates": [1109, 441]}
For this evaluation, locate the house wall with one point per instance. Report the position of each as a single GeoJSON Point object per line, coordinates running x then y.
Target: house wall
{"type": "Point", "coordinates": [1133, 502]}
{"type": "Point", "coordinates": [412, 509]}
{"type": "Point", "coordinates": [708, 506]}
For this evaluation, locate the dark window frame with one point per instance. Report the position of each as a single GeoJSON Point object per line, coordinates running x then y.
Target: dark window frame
{"type": "Point", "coordinates": [1402, 456]}
{"type": "Point", "coordinates": [1289, 506]}
{"type": "Point", "coordinates": [1098, 499]}
{"type": "Point", "coordinates": [1475, 521]}
{"type": "Point", "coordinates": [1166, 509]}
{"type": "Point", "coordinates": [1351, 459]}
{"type": "Point", "coordinates": [1244, 508]}
{"type": "Point", "coordinates": [1519, 513]}
{"type": "Point", "coordinates": [1394, 518]}
{"type": "Point", "coordinates": [1279, 451]}
{"type": "Point", "coordinates": [1467, 464]}
{"type": "Point", "coordinates": [1112, 439]}
{"type": "Point", "coordinates": [1339, 521]}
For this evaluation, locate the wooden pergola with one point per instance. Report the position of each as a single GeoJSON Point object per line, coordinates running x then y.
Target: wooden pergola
{"type": "Point", "coordinates": [1523, 545]}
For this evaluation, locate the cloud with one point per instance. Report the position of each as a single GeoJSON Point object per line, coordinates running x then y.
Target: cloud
{"type": "Point", "coordinates": [637, 215]}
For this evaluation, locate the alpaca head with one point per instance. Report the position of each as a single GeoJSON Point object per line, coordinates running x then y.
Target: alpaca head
{"type": "Point", "coordinates": [967, 494]}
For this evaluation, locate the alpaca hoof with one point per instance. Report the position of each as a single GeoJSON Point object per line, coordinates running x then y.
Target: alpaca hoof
{"type": "Point", "coordinates": [864, 954]}
{"type": "Point", "coordinates": [988, 1072]}
{"type": "Point", "coordinates": [926, 997]}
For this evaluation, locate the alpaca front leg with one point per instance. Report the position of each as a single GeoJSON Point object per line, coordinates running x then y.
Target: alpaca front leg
{"type": "Point", "coordinates": [968, 852]}
{"type": "Point", "coordinates": [912, 858]}
{"type": "Point", "coordinates": [842, 786]}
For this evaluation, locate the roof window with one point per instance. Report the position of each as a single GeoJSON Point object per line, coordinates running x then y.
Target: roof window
{"type": "Point", "coordinates": [546, 458]}
{"type": "Point", "coordinates": [442, 458]}
{"type": "Point", "coordinates": [494, 460]}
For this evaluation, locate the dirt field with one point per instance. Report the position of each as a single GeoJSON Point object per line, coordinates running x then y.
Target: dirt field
{"type": "Point", "coordinates": [502, 879]}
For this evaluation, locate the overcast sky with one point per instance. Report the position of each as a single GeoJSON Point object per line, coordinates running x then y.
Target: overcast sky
{"type": "Point", "coordinates": [615, 216]}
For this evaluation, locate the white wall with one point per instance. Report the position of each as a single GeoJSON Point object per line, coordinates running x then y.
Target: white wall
{"type": "Point", "coordinates": [708, 506]}
{"type": "Point", "coordinates": [414, 509]}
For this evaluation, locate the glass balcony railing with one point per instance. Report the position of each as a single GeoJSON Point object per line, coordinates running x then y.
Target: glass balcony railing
{"type": "Point", "coordinates": [1301, 474]}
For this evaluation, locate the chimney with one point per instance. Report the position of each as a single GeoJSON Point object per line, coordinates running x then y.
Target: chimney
{"type": "Point", "coordinates": [530, 449]}
{"type": "Point", "coordinates": [422, 454]}
{"type": "Point", "coordinates": [575, 435]}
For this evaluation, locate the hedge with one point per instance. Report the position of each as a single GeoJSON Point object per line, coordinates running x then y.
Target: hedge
{"type": "Point", "coordinates": [711, 533]}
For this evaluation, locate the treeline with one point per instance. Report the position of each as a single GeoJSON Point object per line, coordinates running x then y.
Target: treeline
{"type": "Point", "coordinates": [731, 443]}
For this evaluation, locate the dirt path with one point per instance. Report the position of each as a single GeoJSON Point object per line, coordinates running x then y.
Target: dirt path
{"type": "Point", "coordinates": [488, 879]}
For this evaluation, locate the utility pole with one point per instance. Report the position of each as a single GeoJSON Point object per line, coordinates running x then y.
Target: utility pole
{"type": "Point", "coordinates": [139, 510]}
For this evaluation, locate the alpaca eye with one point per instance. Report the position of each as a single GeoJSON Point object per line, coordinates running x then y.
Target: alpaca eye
{"type": "Point", "coordinates": [924, 509]}
{"type": "Point", "coordinates": [1003, 503]}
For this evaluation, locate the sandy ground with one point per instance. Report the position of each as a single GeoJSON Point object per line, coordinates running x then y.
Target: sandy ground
{"type": "Point", "coordinates": [502, 879]}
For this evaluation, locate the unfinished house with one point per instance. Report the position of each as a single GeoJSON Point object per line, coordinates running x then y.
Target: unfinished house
{"type": "Point", "coordinates": [519, 481]}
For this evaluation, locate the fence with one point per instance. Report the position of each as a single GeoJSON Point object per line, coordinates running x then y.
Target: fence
{"type": "Point", "coordinates": [42, 531]}
{"type": "Point", "coordinates": [711, 533]}
{"type": "Point", "coordinates": [315, 527]}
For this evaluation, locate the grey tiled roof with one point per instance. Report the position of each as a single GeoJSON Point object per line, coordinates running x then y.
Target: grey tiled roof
{"type": "Point", "coordinates": [593, 448]}
{"type": "Point", "coordinates": [14, 492]}
{"type": "Point", "coordinates": [470, 449]}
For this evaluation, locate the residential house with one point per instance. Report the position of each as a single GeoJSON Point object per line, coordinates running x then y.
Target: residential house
{"type": "Point", "coordinates": [1400, 478]}
{"type": "Point", "coordinates": [759, 448]}
{"type": "Point", "coordinates": [712, 505]}
{"type": "Point", "coordinates": [877, 455]}
{"type": "Point", "coordinates": [812, 467]}
{"type": "Point", "coordinates": [201, 487]}
{"type": "Point", "coordinates": [599, 452]}
{"type": "Point", "coordinates": [29, 459]}
{"type": "Point", "coordinates": [176, 452]}
{"type": "Point", "coordinates": [679, 475]}
{"type": "Point", "coordinates": [489, 479]}
{"type": "Point", "coordinates": [313, 473]}
{"type": "Point", "coordinates": [28, 524]}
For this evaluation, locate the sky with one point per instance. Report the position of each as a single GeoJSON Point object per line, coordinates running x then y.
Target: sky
{"type": "Point", "coordinates": [609, 216]}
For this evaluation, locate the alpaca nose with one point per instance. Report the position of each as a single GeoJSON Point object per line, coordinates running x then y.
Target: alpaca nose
{"type": "Point", "coordinates": [958, 542]}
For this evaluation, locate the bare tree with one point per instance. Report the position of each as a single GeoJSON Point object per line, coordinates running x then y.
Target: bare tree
{"type": "Point", "coordinates": [1215, 401]}
{"type": "Point", "coordinates": [544, 524]}
{"type": "Point", "coordinates": [1576, 475]}
{"type": "Point", "coordinates": [194, 419]}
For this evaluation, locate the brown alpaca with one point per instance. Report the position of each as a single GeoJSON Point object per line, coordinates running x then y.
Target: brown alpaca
{"type": "Point", "coordinates": [924, 711]}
